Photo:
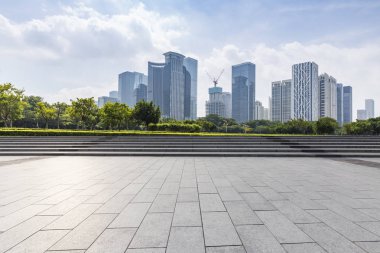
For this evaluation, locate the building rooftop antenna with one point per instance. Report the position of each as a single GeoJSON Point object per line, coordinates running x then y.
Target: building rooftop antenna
{"type": "Point", "coordinates": [215, 79]}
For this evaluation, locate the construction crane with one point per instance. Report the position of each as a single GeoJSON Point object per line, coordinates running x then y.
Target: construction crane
{"type": "Point", "coordinates": [213, 79]}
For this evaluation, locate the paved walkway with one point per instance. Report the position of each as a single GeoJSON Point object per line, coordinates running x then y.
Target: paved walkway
{"type": "Point", "coordinates": [213, 205]}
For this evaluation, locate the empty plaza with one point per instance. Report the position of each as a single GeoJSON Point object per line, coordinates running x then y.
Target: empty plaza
{"type": "Point", "coordinates": [189, 204]}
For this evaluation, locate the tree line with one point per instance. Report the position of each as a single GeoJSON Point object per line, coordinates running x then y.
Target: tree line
{"type": "Point", "coordinates": [19, 110]}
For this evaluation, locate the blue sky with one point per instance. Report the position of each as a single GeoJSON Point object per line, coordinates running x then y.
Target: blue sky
{"type": "Point", "coordinates": [63, 49]}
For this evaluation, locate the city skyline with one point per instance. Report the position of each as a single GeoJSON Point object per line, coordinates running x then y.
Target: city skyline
{"type": "Point", "coordinates": [83, 45]}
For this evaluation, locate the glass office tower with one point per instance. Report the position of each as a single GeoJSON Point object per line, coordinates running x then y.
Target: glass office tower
{"type": "Point", "coordinates": [339, 103]}
{"type": "Point", "coordinates": [158, 91]}
{"type": "Point", "coordinates": [191, 66]}
{"type": "Point", "coordinates": [347, 104]}
{"type": "Point", "coordinates": [243, 92]}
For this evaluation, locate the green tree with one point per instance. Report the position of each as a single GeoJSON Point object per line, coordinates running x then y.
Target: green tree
{"type": "Point", "coordinates": [60, 109]}
{"type": "Point", "coordinates": [375, 125]}
{"type": "Point", "coordinates": [326, 125]}
{"type": "Point", "coordinates": [296, 126]}
{"type": "Point", "coordinates": [45, 112]}
{"type": "Point", "coordinates": [114, 115]}
{"type": "Point", "coordinates": [146, 113]}
{"type": "Point", "coordinates": [215, 119]}
{"type": "Point", "coordinates": [11, 104]}
{"type": "Point", "coordinates": [206, 126]}
{"type": "Point", "coordinates": [30, 117]}
{"type": "Point", "coordinates": [84, 112]}
{"type": "Point", "coordinates": [360, 127]}
{"type": "Point", "coordinates": [256, 123]}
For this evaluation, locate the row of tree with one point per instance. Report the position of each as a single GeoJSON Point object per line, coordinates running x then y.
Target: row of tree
{"type": "Point", "coordinates": [19, 110]}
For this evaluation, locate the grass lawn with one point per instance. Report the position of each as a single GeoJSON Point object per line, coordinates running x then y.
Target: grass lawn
{"type": "Point", "coordinates": [70, 132]}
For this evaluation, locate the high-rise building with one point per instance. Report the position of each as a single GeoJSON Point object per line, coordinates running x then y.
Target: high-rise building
{"type": "Point", "coordinates": [187, 94]}
{"type": "Point", "coordinates": [158, 90]}
{"type": "Point", "coordinates": [339, 103]}
{"type": "Point", "coordinates": [347, 104]}
{"type": "Point", "coordinates": [370, 108]}
{"type": "Point", "coordinates": [191, 65]}
{"type": "Point", "coordinates": [128, 82]}
{"type": "Point", "coordinates": [327, 96]}
{"type": "Point", "coordinates": [175, 76]}
{"type": "Point", "coordinates": [114, 94]}
{"type": "Point", "coordinates": [281, 100]}
{"type": "Point", "coordinates": [266, 114]}
{"type": "Point", "coordinates": [104, 99]}
{"type": "Point", "coordinates": [140, 93]}
{"type": "Point", "coordinates": [269, 108]}
{"type": "Point", "coordinates": [219, 102]}
{"type": "Point", "coordinates": [305, 91]}
{"type": "Point", "coordinates": [243, 92]}
{"type": "Point", "coordinates": [170, 86]}
{"type": "Point", "coordinates": [361, 114]}
{"type": "Point", "coordinates": [259, 110]}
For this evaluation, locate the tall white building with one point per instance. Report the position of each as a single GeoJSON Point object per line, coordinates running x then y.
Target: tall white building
{"type": "Point", "coordinates": [370, 108]}
{"type": "Point", "coordinates": [219, 102]}
{"type": "Point", "coordinates": [305, 91]}
{"type": "Point", "coordinates": [327, 96]}
{"type": "Point", "coordinates": [281, 102]}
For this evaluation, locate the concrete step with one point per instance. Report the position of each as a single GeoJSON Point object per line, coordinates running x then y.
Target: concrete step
{"type": "Point", "coordinates": [195, 154]}
{"type": "Point", "coordinates": [326, 146]}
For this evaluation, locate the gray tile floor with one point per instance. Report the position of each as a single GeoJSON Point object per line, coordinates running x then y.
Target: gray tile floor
{"type": "Point", "coordinates": [163, 204]}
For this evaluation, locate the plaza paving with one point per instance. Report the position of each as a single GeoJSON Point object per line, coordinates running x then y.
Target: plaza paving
{"type": "Point", "coordinates": [192, 204]}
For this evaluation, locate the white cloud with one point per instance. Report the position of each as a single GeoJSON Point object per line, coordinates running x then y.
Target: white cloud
{"type": "Point", "coordinates": [80, 47]}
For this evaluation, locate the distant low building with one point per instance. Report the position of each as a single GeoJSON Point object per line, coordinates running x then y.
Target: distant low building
{"type": "Point", "coordinates": [219, 102]}
{"type": "Point", "coordinates": [114, 94]}
{"type": "Point", "coordinates": [140, 93]}
{"type": "Point", "coordinates": [104, 99]}
{"type": "Point", "coordinates": [266, 114]}
{"type": "Point", "coordinates": [259, 110]}
{"type": "Point", "coordinates": [128, 83]}
{"type": "Point", "coordinates": [361, 114]}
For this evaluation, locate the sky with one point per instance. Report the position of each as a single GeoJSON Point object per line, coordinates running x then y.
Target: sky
{"type": "Point", "coordinates": [66, 49]}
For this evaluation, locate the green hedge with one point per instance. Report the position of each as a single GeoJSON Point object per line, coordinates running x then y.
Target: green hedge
{"type": "Point", "coordinates": [175, 127]}
{"type": "Point", "coordinates": [66, 132]}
